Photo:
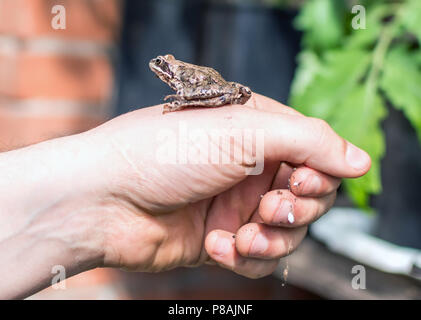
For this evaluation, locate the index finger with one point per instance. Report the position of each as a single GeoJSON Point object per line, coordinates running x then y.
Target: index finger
{"type": "Point", "coordinates": [302, 140]}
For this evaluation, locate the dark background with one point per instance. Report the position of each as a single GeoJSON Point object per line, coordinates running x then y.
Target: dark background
{"type": "Point", "coordinates": [250, 44]}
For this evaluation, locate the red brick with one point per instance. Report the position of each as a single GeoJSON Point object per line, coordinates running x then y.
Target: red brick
{"type": "Point", "coordinates": [20, 131]}
{"type": "Point", "coordinates": [56, 77]}
{"type": "Point", "coordinates": [85, 19]}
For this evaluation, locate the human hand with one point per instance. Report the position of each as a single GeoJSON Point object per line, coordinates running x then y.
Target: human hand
{"type": "Point", "coordinates": [158, 216]}
{"type": "Point", "coordinates": [105, 198]}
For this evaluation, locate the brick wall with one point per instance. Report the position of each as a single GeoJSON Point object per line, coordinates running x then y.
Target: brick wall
{"type": "Point", "coordinates": [55, 82]}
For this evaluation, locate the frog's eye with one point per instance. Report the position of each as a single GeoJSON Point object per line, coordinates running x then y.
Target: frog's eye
{"type": "Point", "coordinates": [158, 61]}
{"type": "Point", "coordinates": [247, 90]}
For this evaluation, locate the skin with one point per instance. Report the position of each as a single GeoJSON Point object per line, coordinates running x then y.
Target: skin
{"type": "Point", "coordinates": [101, 199]}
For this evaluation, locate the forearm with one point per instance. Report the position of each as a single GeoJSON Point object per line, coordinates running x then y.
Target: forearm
{"type": "Point", "coordinates": [43, 219]}
{"type": "Point", "coordinates": [29, 261]}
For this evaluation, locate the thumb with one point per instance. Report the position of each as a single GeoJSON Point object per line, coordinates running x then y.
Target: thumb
{"type": "Point", "coordinates": [308, 141]}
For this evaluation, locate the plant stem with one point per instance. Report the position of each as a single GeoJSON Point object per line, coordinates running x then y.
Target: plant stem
{"type": "Point", "coordinates": [380, 51]}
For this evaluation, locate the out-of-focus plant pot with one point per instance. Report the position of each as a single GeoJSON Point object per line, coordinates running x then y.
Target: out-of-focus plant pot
{"type": "Point", "coordinates": [399, 205]}
{"type": "Point", "coordinates": [253, 45]}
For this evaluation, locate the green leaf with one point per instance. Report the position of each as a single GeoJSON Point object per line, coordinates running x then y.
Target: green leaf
{"type": "Point", "coordinates": [330, 81]}
{"type": "Point", "coordinates": [358, 120]}
{"type": "Point", "coordinates": [335, 93]}
{"type": "Point", "coordinates": [309, 67]}
{"type": "Point", "coordinates": [411, 18]}
{"type": "Point", "coordinates": [417, 57]}
{"type": "Point", "coordinates": [401, 83]}
{"type": "Point", "coordinates": [321, 20]}
{"type": "Point", "coordinates": [337, 75]}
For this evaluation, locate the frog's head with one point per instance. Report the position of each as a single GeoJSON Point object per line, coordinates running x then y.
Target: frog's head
{"type": "Point", "coordinates": [161, 66]}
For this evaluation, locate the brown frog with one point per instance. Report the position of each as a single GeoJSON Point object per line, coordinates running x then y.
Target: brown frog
{"type": "Point", "coordinates": [195, 85]}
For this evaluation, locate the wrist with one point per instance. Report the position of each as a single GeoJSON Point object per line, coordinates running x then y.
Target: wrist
{"type": "Point", "coordinates": [37, 178]}
{"type": "Point", "coordinates": [31, 259]}
{"type": "Point", "coordinates": [51, 185]}
{"type": "Point", "coordinates": [51, 213]}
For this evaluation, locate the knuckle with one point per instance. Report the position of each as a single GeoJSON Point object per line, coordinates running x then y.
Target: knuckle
{"type": "Point", "coordinates": [254, 276]}
{"type": "Point", "coordinates": [321, 123]}
{"type": "Point", "coordinates": [330, 202]}
{"type": "Point", "coordinates": [310, 211]}
{"type": "Point", "coordinates": [259, 274]}
{"type": "Point", "coordinates": [321, 133]}
{"type": "Point", "coordinates": [324, 206]}
{"type": "Point", "coordinates": [256, 270]}
{"type": "Point", "coordinates": [319, 208]}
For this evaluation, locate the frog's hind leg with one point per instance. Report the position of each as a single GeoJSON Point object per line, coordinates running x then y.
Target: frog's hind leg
{"type": "Point", "coordinates": [211, 102]}
{"type": "Point", "coordinates": [205, 93]}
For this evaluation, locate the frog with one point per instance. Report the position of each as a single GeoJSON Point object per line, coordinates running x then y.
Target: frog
{"type": "Point", "coordinates": [196, 86]}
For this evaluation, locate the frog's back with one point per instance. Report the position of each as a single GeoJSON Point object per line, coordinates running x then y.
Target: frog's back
{"type": "Point", "coordinates": [190, 74]}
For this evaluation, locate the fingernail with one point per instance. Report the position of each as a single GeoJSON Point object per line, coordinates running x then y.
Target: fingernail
{"type": "Point", "coordinates": [356, 158]}
{"type": "Point", "coordinates": [222, 246]}
{"type": "Point", "coordinates": [314, 184]}
{"type": "Point", "coordinates": [281, 216]}
{"type": "Point", "coordinates": [259, 245]}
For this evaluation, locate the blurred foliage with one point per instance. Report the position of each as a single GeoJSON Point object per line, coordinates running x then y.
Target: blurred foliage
{"type": "Point", "coordinates": [346, 75]}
